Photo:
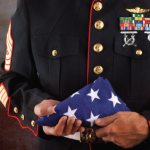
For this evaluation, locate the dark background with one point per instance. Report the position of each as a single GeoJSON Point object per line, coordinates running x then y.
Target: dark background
{"type": "Point", "coordinates": [12, 136]}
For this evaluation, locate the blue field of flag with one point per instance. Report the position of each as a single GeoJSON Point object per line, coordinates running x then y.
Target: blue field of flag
{"type": "Point", "coordinates": [96, 100]}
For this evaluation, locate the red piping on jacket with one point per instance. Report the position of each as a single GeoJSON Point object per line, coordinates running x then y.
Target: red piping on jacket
{"type": "Point", "coordinates": [149, 123]}
{"type": "Point", "coordinates": [9, 51]}
{"type": "Point", "coordinates": [8, 101]}
{"type": "Point", "coordinates": [36, 134]}
{"type": "Point", "coordinates": [88, 55]}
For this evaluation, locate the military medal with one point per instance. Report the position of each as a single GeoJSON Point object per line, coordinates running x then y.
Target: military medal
{"type": "Point", "coordinates": [129, 41]}
{"type": "Point", "coordinates": [148, 32]}
{"type": "Point", "coordinates": [130, 25]}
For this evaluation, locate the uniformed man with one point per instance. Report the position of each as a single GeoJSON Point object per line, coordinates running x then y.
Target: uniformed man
{"type": "Point", "coordinates": [55, 48]}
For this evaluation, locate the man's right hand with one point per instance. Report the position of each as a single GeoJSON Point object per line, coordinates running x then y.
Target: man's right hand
{"type": "Point", "coordinates": [65, 125]}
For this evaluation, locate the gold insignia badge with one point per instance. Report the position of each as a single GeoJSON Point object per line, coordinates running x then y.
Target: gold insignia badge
{"type": "Point", "coordinates": [138, 10]}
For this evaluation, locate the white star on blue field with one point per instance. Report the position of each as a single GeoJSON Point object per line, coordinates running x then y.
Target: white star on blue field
{"type": "Point", "coordinates": [96, 100]}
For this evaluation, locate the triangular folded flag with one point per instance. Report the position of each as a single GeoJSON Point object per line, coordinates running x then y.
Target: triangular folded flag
{"type": "Point", "coordinates": [96, 100]}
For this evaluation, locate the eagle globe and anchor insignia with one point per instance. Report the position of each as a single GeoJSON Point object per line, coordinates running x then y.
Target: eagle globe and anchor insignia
{"type": "Point", "coordinates": [130, 26]}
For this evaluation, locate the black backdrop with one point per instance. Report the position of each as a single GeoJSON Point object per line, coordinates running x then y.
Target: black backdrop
{"type": "Point", "coordinates": [12, 136]}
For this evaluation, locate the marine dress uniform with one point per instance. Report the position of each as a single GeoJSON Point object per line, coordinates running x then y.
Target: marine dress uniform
{"type": "Point", "coordinates": [56, 47]}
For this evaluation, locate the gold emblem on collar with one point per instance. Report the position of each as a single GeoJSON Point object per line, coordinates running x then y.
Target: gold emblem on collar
{"type": "Point", "coordinates": [138, 10]}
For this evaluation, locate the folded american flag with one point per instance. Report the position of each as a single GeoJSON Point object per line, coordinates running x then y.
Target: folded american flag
{"type": "Point", "coordinates": [96, 100]}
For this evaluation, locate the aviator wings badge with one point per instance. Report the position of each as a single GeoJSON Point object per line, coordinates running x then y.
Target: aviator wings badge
{"type": "Point", "coordinates": [138, 10]}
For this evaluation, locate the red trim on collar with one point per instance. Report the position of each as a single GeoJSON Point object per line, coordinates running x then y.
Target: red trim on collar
{"type": "Point", "coordinates": [36, 134]}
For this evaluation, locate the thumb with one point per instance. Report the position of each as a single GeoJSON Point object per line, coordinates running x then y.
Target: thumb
{"type": "Point", "coordinates": [105, 121]}
{"type": "Point", "coordinates": [43, 110]}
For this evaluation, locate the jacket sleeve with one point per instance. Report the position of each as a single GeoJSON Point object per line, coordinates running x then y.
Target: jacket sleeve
{"type": "Point", "coordinates": [20, 88]}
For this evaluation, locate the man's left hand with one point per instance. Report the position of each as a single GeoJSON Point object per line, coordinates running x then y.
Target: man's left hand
{"type": "Point", "coordinates": [125, 129]}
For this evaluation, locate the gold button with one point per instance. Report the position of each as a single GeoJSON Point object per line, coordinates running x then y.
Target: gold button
{"type": "Point", "coordinates": [32, 123]}
{"type": "Point", "coordinates": [54, 52]}
{"type": "Point", "coordinates": [99, 25]}
{"type": "Point", "coordinates": [98, 70]}
{"type": "Point", "coordinates": [139, 52]}
{"type": "Point", "coordinates": [16, 110]}
{"type": "Point", "coordinates": [98, 47]}
{"type": "Point", "coordinates": [98, 6]}
{"type": "Point", "coordinates": [22, 117]}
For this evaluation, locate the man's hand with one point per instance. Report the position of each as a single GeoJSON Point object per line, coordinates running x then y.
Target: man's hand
{"type": "Point", "coordinates": [65, 125]}
{"type": "Point", "coordinates": [125, 129]}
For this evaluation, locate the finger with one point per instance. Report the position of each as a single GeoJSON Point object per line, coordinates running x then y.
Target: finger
{"type": "Point", "coordinates": [105, 121]}
{"type": "Point", "coordinates": [45, 107]}
{"type": "Point", "coordinates": [51, 102]}
{"type": "Point", "coordinates": [106, 139]}
{"type": "Point", "coordinates": [81, 129]}
{"type": "Point", "coordinates": [48, 130]}
{"type": "Point", "coordinates": [56, 131]}
{"type": "Point", "coordinates": [76, 126]}
{"type": "Point", "coordinates": [69, 125]}
{"type": "Point", "coordinates": [59, 128]}
{"type": "Point", "coordinates": [102, 132]}
{"type": "Point", "coordinates": [43, 110]}
{"type": "Point", "coordinates": [110, 139]}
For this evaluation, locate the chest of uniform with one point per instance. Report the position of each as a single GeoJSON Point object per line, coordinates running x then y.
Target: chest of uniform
{"type": "Point", "coordinates": [70, 47]}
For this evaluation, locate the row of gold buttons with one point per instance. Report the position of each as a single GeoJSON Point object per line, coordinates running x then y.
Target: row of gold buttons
{"type": "Point", "coordinates": [98, 47]}
{"type": "Point", "coordinates": [23, 117]}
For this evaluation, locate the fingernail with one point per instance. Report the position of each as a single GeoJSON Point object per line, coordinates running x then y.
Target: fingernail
{"type": "Point", "coordinates": [82, 130]}
{"type": "Point", "coordinates": [49, 110]}
{"type": "Point", "coordinates": [65, 118]}
{"type": "Point", "coordinates": [79, 123]}
{"type": "Point", "coordinates": [72, 120]}
{"type": "Point", "coordinates": [98, 121]}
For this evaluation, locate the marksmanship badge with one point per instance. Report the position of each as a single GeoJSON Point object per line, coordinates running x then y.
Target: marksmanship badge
{"type": "Point", "coordinates": [130, 25]}
{"type": "Point", "coordinates": [129, 41]}
{"type": "Point", "coordinates": [148, 32]}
